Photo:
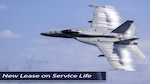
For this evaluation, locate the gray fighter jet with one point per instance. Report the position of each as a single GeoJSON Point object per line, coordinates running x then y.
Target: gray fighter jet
{"type": "Point", "coordinates": [107, 39]}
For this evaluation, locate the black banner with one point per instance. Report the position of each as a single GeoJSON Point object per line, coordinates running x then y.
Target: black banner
{"type": "Point", "coordinates": [52, 75]}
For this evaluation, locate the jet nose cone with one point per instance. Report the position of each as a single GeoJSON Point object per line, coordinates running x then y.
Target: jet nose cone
{"type": "Point", "coordinates": [44, 34]}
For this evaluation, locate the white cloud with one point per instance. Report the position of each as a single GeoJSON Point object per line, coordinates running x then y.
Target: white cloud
{"type": "Point", "coordinates": [2, 7]}
{"type": "Point", "coordinates": [8, 34]}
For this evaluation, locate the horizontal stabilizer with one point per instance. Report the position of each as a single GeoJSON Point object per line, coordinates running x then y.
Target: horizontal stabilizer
{"type": "Point", "coordinates": [124, 27]}
{"type": "Point", "coordinates": [127, 41]}
{"type": "Point", "coordinates": [135, 50]}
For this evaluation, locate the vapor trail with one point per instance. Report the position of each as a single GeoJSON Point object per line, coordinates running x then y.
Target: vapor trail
{"type": "Point", "coordinates": [112, 17]}
{"type": "Point", "coordinates": [113, 20]}
{"type": "Point", "coordinates": [125, 57]}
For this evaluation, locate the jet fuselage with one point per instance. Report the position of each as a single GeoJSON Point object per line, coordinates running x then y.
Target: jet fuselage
{"type": "Point", "coordinates": [87, 35]}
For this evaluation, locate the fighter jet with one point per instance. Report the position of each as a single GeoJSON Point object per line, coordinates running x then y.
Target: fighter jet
{"type": "Point", "coordinates": [107, 39]}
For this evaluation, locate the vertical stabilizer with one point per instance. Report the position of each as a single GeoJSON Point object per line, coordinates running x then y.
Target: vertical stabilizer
{"type": "Point", "coordinates": [125, 28]}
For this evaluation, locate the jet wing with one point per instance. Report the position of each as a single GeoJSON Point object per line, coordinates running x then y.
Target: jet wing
{"type": "Point", "coordinates": [110, 53]}
{"type": "Point", "coordinates": [105, 18]}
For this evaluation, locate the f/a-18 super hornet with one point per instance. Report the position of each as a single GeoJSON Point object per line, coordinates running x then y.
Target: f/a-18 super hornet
{"type": "Point", "coordinates": [108, 38]}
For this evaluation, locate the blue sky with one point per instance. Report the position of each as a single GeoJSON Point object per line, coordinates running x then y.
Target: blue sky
{"type": "Point", "coordinates": [23, 49]}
